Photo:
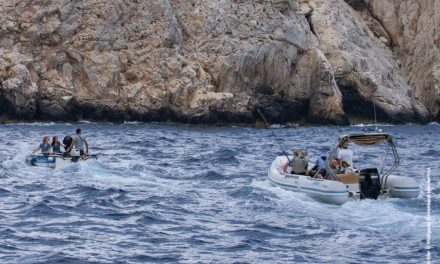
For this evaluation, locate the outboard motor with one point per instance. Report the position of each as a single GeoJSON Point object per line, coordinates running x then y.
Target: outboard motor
{"type": "Point", "coordinates": [369, 181]}
{"type": "Point", "coordinates": [67, 141]}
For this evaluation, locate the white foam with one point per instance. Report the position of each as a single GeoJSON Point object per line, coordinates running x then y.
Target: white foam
{"type": "Point", "coordinates": [85, 122]}
{"type": "Point", "coordinates": [373, 125]}
{"type": "Point", "coordinates": [22, 149]}
{"type": "Point", "coordinates": [133, 122]}
{"type": "Point", "coordinates": [277, 126]}
{"type": "Point", "coordinates": [377, 215]}
{"type": "Point", "coordinates": [33, 124]}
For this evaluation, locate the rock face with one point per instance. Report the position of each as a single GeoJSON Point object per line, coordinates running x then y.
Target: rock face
{"type": "Point", "coordinates": [413, 27]}
{"type": "Point", "coordinates": [323, 61]}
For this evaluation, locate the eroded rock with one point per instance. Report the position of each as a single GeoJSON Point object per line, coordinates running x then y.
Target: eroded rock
{"type": "Point", "coordinates": [208, 61]}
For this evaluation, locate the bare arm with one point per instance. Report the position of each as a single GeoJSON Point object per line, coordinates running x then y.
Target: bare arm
{"type": "Point", "coordinates": [285, 167]}
{"type": "Point", "coordinates": [71, 145]}
{"type": "Point", "coordinates": [87, 146]}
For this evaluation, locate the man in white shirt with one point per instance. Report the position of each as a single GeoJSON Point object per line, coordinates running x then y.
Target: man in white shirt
{"type": "Point", "coordinates": [345, 154]}
{"type": "Point", "coordinates": [78, 142]}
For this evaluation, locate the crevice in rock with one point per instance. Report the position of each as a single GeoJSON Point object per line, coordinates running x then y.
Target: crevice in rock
{"type": "Point", "coordinates": [174, 26]}
{"type": "Point", "coordinates": [308, 16]}
{"type": "Point", "coordinates": [437, 41]}
{"type": "Point", "coordinates": [360, 6]}
{"type": "Point", "coordinates": [8, 110]}
{"type": "Point", "coordinates": [358, 107]}
{"type": "Point", "coordinates": [278, 109]}
{"type": "Point", "coordinates": [7, 107]}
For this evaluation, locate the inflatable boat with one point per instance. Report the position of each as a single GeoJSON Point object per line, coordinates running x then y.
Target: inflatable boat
{"type": "Point", "coordinates": [55, 160]}
{"type": "Point", "coordinates": [361, 183]}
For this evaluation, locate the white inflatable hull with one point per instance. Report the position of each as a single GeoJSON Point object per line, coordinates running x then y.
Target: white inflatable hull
{"type": "Point", "coordinates": [402, 187]}
{"type": "Point", "coordinates": [336, 192]}
{"type": "Point", "coordinates": [324, 190]}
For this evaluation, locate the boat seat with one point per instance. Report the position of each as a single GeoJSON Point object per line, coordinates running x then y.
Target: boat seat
{"type": "Point", "coordinates": [348, 178]}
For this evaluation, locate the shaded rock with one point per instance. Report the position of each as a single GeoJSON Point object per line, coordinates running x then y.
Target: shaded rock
{"type": "Point", "coordinates": [364, 67]}
{"type": "Point", "coordinates": [412, 27]}
{"type": "Point", "coordinates": [18, 93]}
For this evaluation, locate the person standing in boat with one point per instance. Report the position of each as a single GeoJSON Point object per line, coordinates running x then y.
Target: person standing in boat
{"type": "Point", "coordinates": [56, 145]}
{"type": "Point", "coordinates": [345, 154]}
{"type": "Point", "coordinates": [78, 142]}
{"type": "Point", "coordinates": [44, 147]}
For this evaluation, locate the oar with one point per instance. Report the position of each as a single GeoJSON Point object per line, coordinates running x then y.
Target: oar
{"type": "Point", "coordinates": [273, 133]}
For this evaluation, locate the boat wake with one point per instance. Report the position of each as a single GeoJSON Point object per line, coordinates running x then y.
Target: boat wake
{"type": "Point", "coordinates": [203, 195]}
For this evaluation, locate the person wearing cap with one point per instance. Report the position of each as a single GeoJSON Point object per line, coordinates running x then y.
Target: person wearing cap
{"type": "Point", "coordinates": [78, 142]}
{"type": "Point", "coordinates": [299, 162]}
{"type": "Point", "coordinates": [287, 167]}
{"type": "Point", "coordinates": [319, 171]}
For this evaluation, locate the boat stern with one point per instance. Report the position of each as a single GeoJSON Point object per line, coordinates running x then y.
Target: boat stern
{"type": "Point", "coordinates": [402, 187]}
{"type": "Point", "coordinates": [41, 161]}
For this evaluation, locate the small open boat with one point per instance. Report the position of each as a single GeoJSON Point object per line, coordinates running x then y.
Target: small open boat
{"type": "Point", "coordinates": [364, 183]}
{"type": "Point", "coordinates": [55, 160]}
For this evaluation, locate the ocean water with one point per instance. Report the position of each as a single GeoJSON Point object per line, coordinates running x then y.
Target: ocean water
{"type": "Point", "coordinates": [195, 194]}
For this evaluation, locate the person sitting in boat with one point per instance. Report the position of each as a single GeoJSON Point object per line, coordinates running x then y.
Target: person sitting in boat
{"type": "Point", "coordinates": [319, 171]}
{"type": "Point", "coordinates": [287, 168]}
{"type": "Point", "coordinates": [299, 163]}
{"type": "Point", "coordinates": [334, 166]}
{"type": "Point", "coordinates": [56, 145]}
{"type": "Point", "coordinates": [345, 154]}
{"type": "Point", "coordinates": [45, 147]}
{"type": "Point", "coordinates": [345, 167]}
{"type": "Point", "coordinates": [78, 142]}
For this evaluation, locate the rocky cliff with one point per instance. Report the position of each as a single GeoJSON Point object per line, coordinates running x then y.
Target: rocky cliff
{"type": "Point", "coordinates": [324, 61]}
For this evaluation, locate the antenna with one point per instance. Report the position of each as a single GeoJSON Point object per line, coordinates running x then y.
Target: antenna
{"type": "Point", "coordinates": [375, 120]}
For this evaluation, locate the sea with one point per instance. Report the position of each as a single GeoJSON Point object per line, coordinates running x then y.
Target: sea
{"type": "Point", "coordinates": [169, 193]}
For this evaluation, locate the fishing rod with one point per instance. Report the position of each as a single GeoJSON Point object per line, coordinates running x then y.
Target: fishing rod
{"type": "Point", "coordinates": [273, 133]}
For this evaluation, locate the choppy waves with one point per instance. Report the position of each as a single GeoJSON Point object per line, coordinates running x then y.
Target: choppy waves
{"type": "Point", "coordinates": [183, 194]}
